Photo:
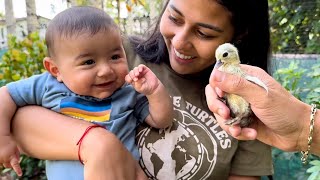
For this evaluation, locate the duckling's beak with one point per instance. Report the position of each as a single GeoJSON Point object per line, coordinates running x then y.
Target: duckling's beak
{"type": "Point", "coordinates": [218, 64]}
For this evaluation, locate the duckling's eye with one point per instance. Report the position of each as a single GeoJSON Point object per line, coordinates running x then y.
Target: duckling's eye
{"type": "Point", "coordinates": [225, 54]}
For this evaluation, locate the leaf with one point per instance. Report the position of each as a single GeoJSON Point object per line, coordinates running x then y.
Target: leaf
{"type": "Point", "coordinates": [15, 53]}
{"type": "Point", "coordinates": [315, 162]}
{"type": "Point", "coordinates": [313, 169]}
{"type": "Point", "coordinates": [6, 170]}
{"type": "Point", "coordinates": [128, 8]}
{"type": "Point", "coordinates": [314, 176]}
{"type": "Point", "coordinates": [142, 2]}
{"type": "Point", "coordinates": [16, 77]}
{"type": "Point", "coordinates": [27, 43]}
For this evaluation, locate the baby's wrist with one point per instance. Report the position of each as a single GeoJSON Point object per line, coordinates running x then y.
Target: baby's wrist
{"type": "Point", "coordinates": [158, 89]}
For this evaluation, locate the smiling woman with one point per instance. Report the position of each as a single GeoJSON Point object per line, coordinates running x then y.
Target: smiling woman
{"type": "Point", "coordinates": [184, 45]}
{"type": "Point", "coordinates": [181, 52]}
{"type": "Point", "coordinates": [194, 36]}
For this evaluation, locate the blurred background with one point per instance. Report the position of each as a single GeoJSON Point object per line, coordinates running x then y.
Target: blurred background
{"type": "Point", "coordinates": [295, 60]}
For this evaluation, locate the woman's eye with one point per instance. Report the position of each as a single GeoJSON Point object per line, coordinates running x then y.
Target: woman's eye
{"type": "Point", "coordinates": [89, 62]}
{"type": "Point", "coordinates": [203, 35]}
{"type": "Point", "coordinates": [173, 19]}
{"type": "Point", "coordinates": [115, 57]}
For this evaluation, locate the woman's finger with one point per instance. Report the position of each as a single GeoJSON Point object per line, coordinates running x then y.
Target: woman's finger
{"type": "Point", "coordinates": [215, 104]}
{"type": "Point", "coordinates": [235, 85]}
{"type": "Point", "coordinates": [242, 133]}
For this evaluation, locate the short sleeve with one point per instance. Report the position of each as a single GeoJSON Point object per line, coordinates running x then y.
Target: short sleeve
{"type": "Point", "coordinates": [141, 109]}
{"type": "Point", "coordinates": [28, 91]}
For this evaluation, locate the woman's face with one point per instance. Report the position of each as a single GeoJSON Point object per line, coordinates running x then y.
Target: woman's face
{"type": "Point", "coordinates": [192, 30]}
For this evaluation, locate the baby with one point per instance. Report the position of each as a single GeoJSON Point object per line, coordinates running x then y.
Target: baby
{"type": "Point", "coordinates": [87, 78]}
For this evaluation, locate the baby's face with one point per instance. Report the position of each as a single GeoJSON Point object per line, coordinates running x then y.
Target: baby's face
{"type": "Point", "coordinates": [92, 65]}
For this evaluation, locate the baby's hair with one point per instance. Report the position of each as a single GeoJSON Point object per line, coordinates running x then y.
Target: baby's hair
{"type": "Point", "coordinates": [75, 21]}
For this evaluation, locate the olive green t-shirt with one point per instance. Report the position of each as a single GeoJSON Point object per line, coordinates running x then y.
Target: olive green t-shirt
{"type": "Point", "coordinates": [195, 146]}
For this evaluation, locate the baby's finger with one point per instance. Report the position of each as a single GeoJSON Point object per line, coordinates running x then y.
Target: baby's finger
{"type": "Point", "coordinates": [136, 72]}
{"type": "Point", "coordinates": [16, 166]}
{"type": "Point", "coordinates": [141, 68]}
{"type": "Point", "coordinates": [132, 74]}
{"type": "Point", "coordinates": [128, 79]}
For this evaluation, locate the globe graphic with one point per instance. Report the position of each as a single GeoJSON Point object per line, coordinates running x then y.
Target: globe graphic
{"type": "Point", "coordinates": [177, 152]}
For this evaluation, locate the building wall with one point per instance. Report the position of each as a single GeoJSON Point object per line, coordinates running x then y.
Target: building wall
{"type": "Point", "coordinates": [21, 30]}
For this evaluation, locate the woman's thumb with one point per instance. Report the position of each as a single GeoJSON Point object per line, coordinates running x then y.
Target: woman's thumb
{"type": "Point", "coordinates": [234, 84]}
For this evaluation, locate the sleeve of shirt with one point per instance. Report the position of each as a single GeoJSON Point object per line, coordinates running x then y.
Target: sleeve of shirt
{"type": "Point", "coordinates": [141, 107]}
{"type": "Point", "coordinates": [28, 91]}
{"type": "Point", "coordinates": [252, 158]}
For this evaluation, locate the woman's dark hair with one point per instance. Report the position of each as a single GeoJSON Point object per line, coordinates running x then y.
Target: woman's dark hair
{"type": "Point", "coordinates": [250, 19]}
{"type": "Point", "coordinates": [76, 20]}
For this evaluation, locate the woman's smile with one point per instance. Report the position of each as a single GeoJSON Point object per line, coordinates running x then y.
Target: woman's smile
{"type": "Point", "coordinates": [181, 58]}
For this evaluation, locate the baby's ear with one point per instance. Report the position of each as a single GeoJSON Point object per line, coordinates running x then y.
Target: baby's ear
{"type": "Point", "coordinates": [51, 67]}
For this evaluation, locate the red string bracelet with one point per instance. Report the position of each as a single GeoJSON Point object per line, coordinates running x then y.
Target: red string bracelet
{"type": "Point", "coordinates": [84, 134]}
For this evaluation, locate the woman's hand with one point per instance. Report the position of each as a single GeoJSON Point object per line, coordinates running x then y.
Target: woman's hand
{"type": "Point", "coordinates": [282, 120]}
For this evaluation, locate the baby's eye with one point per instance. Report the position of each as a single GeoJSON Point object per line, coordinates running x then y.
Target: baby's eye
{"type": "Point", "coordinates": [115, 57]}
{"type": "Point", "coordinates": [89, 62]}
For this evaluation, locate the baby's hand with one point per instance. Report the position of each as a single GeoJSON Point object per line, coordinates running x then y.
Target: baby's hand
{"type": "Point", "coordinates": [9, 154]}
{"type": "Point", "coordinates": [143, 80]}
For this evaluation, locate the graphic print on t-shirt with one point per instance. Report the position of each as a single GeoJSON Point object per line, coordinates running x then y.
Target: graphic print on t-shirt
{"type": "Point", "coordinates": [186, 150]}
{"type": "Point", "coordinates": [85, 109]}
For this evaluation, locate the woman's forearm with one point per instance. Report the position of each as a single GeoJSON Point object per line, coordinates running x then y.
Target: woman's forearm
{"type": "Point", "coordinates": [44, 134]}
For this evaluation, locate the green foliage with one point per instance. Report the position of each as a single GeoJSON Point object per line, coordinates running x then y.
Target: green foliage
{"type": "Point", "coordinates": [24, 59]}
{"type": "Point", "coordinates": [314, 94]}
{"type": "Point", "coordinates": [295, 26]}
{"type": "Point", "coordinates": [290, 78]}
{"type": "Point", "coordinates": [314, 170]}
{"type": "Point", "coordinates": [33, 169]}
{"type": "Point", "coordinates": [288, 165]}
{"type": "Point", "coordinates": [313, 97]}
{"type": "Point", "coordinates": [306, 87]}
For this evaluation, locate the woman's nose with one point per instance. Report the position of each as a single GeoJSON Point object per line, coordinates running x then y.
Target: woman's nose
{"type": "Point", "coordinates": [181, 40]}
